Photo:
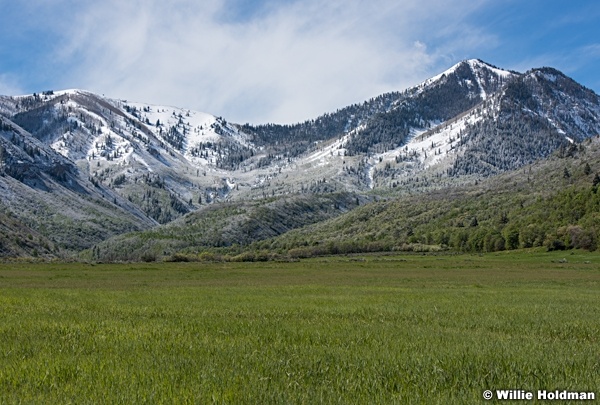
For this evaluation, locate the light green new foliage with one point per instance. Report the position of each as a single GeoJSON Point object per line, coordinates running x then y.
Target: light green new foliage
{"type": "Point", "coordinates": [379, 329]}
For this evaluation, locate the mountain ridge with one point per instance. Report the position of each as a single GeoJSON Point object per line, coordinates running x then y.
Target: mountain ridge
{"type": "Point", "coordinates": [141, 165]}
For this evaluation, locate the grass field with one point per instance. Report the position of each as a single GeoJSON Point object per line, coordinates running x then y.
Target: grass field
{"type": "Point", "coordinates": [373, 329]}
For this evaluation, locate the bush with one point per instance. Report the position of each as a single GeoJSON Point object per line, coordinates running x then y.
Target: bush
{"type": "Point", "coordinates": [511, 238]}
{"type": "Point", "coordinates": [180, 257]}
{"type": "Point", "coordinates": [300, 253]}
{"type": "Point", "coordinates": [244, 257]}
{"type": "Point", "coordinates": [554, 244]}
{"type": "Point", "coordinates": [148, 257]}
{"type": "Point", "coordinates": [575, 237]}
{"type": "Point", "coordinates": [209, 257]}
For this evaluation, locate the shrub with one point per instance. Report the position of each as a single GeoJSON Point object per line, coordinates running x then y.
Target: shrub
{"type": "Point", "coordinates": [576, 237]}
{"type": "Point", "coordinates": [554, 244]}
{"type": "Point", "coordinates": [148, 257]}
{"type": "Point", "coordinates": [180, 257]}
{"type": "Point", "coordinates": [300, 253]}
{"type": "Point", "coordinates": [209, 257]}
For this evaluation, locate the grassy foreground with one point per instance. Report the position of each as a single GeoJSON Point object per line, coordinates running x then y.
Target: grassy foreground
{"type": "Point", "coordinates": [378, 329]}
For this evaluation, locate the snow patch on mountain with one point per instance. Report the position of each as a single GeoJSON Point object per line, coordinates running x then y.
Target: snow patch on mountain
{"type": "Point", "coordinates": [327, 151]}
{"type": "Point", "coordinates": [431, 147]}
{"type": "Point", "coordinates": [202, 138]}
{"type": "Point", "coordinates": [477, 68]}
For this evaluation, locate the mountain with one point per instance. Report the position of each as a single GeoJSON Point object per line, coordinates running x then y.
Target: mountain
{"type": "Point", "coordinates": [551, 203]}
{"type": "Point", "coordinates": [472, 120]}
{"type": "Point", "coordinates": [77, 168]}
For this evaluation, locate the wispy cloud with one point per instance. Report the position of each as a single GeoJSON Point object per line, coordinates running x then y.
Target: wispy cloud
{"type": "Point", "coordinates": [9, 85]}
{"type": "Point", "coordinates": [570, 61]}
{"type": "Point", "coordinates": [591, 51]}
{"type": "Point", "coordinates": [285, 61]}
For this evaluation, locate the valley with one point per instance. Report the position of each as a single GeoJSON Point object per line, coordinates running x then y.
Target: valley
{"type": "Point", "coordinates": [397, 328]}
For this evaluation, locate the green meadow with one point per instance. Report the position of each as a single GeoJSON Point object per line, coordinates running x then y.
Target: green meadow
{"type": "Point", "coordinates": [348, 329]}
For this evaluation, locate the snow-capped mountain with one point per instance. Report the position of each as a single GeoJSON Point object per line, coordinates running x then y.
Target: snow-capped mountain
{"type": "Point", "coordinates": [152, 164]}
{"type": "Point", "coordinates": [473, 119]}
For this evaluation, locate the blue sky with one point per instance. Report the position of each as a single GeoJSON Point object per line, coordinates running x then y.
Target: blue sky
{"type": "Point", "coordinates": [281, 61]}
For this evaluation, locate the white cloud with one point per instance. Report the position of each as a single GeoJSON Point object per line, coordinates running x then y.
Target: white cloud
{"type": "Point", "coordinates": [591, 51]}
{"type": "Point", "coordinates": [9, 85]}
{"type": "Point", "coordinates": [289, 62]}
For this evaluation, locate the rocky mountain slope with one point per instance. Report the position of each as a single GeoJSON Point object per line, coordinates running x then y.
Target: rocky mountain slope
{"type": "Point", "coordinates": [552, 203]}
{"type": "Point", "coordinates": [77, 168]}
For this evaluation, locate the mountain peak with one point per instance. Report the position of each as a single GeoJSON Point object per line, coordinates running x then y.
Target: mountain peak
{"type": "Point", "coordinates": [473, 64]}
{"type": "Point", "coordinates": [480, 77]}
{"type": "Point", "coordinates": [478, 65]}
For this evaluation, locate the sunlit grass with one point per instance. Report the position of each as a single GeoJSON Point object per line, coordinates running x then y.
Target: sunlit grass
{"type": "Point", "coordinates": [412, 329]}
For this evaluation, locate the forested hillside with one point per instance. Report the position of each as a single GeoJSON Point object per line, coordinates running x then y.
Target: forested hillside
{"type": "Point", "coordinates": [229, 226]}
{"type": "Point", "coordinates": [294, 139]}
{"type": "Point", "coordinates": [552, 203]}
